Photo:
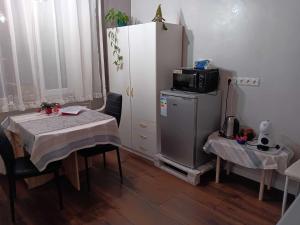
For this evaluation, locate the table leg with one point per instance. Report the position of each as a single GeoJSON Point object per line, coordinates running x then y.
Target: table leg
{"type": "Point", "coordinates": [262, 185]}
{"type": "Point", "coordinates": [298, 189]}
{"type": "Point", "coordinates": [270, 178]}
{"type": "Point", "coordinates": [285, 195]}
{"type": "Point", "coordinates": [71, 170]}
{"type": "Point", "coordinates": [218, 165]}
{"type": "Point", "coordinates": [16, 143]}
{"type": "Point", "coordinates": [228, 165]}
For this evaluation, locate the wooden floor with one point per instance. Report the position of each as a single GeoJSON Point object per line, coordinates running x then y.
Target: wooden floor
{"type": "Point", "coordinates": [148, 196]}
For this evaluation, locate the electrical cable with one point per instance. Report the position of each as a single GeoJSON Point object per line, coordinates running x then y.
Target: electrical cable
{"type": "Point", "coordinates": [221, 132]}
{"type": "Point", "coordinates": [226, 104]}
{"type": "Point", "coordinates": [261, 147]}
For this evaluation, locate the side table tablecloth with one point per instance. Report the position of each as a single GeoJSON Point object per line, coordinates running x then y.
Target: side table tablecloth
{"type": "Point", "coordinates": [248, 157]}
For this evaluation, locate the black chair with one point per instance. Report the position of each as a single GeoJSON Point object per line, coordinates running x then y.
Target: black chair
{"type": "Point", "coordinates": [22, 167]}
{"type": "Point", "coordinates": [113, 108]}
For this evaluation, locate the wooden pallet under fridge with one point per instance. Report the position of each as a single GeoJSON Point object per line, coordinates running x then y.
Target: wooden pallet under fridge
{"type": "Point", "coordinates": [189, 175]}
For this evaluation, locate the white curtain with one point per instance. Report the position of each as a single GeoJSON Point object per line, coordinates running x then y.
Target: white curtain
{"type": "Point", "coordinates": [48, 52]}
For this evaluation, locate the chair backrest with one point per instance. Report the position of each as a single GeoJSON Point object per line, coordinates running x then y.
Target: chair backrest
{"type": "Point", "coordinates": [114, 106]}
{"type": "Point", "coordinates": [6, 152]}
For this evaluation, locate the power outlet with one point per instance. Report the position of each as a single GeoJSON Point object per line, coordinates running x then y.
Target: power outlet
{"type": "Point", "coordinates": [247, 81]}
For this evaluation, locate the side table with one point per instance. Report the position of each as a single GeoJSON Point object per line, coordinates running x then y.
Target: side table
{"type": "Point", "coordinates": [262, 177]}
{"type": "Point", "coordinates": [245, 156]}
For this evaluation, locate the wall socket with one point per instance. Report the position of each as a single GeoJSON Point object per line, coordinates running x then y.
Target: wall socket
{"type": "Point", "coordinates": [247, 81]}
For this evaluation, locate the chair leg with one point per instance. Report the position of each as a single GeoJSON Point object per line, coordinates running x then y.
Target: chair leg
{"type": "Point", "coordinates": [12, 188]}
{"type": "Point", "coordinates": [87, 173]}
{"type": "Point", "coordinates": [57, 181]}
{"type": "Point", "coordinates": [285, 195]}
{"type": "Point", "coordinates": [119, 163]}
{"type": "Point", "coordinates": [104, 160]}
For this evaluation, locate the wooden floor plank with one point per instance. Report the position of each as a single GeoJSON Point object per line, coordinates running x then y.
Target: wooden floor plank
{"type": "Point", "coordinates": [191, 212]}
{"type": "Point", "coordinates": [148, 196]}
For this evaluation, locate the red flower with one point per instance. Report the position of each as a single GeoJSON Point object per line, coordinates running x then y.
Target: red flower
{"type": "Point", "coordinates": [48, 111]}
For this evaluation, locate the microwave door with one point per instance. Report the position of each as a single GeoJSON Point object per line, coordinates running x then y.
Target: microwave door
{"type": "Point", "coordinates": [185, 82]}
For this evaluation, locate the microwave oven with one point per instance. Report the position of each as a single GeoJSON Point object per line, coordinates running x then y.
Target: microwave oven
{"type": "Point", "coordinates": [194, 80]}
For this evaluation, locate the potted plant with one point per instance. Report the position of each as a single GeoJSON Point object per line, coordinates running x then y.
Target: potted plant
{"type": "Point", "coordinates": [118, 19]}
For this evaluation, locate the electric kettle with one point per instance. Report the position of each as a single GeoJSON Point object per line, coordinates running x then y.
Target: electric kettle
{"type": "Point", "coordinates": [231, 127]}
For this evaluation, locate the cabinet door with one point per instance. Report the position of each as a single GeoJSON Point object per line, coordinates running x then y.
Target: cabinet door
{"type": "Point", "coordinates": [142, 41]}
{"type": "Point", "coordinates": [119, 82]}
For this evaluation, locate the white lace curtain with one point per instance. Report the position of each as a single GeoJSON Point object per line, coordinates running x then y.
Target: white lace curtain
{"type": "Point", "coordinates": [48, 52]}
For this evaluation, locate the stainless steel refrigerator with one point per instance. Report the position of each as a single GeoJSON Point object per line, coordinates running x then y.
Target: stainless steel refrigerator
{"type": "Point", "coordinates": [187, 119]}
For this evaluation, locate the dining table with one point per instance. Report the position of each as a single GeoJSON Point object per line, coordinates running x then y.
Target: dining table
{"type": "Point", "coordinates": [50, 137]}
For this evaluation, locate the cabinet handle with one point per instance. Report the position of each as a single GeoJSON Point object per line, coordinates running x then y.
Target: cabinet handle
{"type": "Point", "coordinates": [131, 92]}
{"type": "Point", "coordinates": [142, 125]}
{"type": "Point", "coordinates": [143, 137]}
{"type": "Point", "coordinates": [127, 91]}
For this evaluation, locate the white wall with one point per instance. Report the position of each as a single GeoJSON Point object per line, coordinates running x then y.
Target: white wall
{"type": "Point", "coordinates": [258, 38]}
{"type": "Point", "coordinates": [123, 5]}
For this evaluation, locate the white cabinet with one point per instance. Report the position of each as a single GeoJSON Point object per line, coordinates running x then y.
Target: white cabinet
{"type": "Point", "coordinates": [119, 81]}
{"type": "Point", "coordinates": [150, 54]}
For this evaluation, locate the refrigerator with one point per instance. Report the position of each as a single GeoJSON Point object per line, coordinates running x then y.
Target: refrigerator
{"type": "Point", "coordinates": [187, 119]}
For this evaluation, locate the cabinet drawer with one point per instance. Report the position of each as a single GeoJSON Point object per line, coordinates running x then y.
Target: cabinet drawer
{"type": "Point", "coordinates": [145, 137]}
{"type": "Point", "coordinates": [145, 142]}
{"type": "Point", "coordinates": [148, 128]}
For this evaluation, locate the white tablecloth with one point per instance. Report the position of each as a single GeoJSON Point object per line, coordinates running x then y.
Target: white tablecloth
{"type": "Point", "coordinates": [48, 138]}
{"type": "Point", "coordinates": [248, 157]}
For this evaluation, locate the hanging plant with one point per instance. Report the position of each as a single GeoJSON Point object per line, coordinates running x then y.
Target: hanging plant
{"type": "Point", "coordinates": [116, 19]}
{"type": "Point", "coordinates": [118, 58]}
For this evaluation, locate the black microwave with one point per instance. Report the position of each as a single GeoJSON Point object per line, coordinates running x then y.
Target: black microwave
{"type": "Point", "coordinates": [194, 80]}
